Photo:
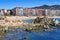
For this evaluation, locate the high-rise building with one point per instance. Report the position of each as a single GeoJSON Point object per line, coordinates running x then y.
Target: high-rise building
{"type": "Point", "coordinates": [8, 12]}
{"type": "Point", "coordinates": [53, 12]}
{"type": "Point", "coordinates": [40, 12]}
{"type": "Point", "coordinates": [18, 11]}
{"type": "Point", "coordinates": [34, 12]}
{"type": "Point", "coordinates": [27, 12]}
{"type": "Point", "coordinates": [2, 12]}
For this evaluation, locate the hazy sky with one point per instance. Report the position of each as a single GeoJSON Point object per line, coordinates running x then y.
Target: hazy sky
{"type": "Point", "coordinates": [9, 4]}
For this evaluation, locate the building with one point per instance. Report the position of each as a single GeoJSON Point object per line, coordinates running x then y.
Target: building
{"type": "Point", "coordinates": [27, 12]}
{"type": "Point", "coordinates": [33, 11]}
{"type": "Point", "coordinates": [40, 12]}
{"type": "Point", "coordinates": [57, 13]}
{"type": "Point", "coordinates": [53, 12]}
{"type": "Point", "coordinates": [8, 12]}
{"type": "Point", "coordinates": [18, 11]}
{"type": "Point", "coordinates": [2, 12]}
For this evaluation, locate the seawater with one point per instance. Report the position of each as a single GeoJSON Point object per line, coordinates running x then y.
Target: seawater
{"type": "Point", "coordinates": [39, 35]}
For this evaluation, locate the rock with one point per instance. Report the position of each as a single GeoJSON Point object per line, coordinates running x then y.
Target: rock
{"type": "Point", "coordinates": [37, 20]}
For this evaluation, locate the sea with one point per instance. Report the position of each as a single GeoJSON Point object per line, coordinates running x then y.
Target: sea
{"type": "Point", "coordinates": [39, 35]}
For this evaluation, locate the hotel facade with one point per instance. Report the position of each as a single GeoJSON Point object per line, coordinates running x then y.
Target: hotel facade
{"type": "Point", "coordinates": [35, 12]}
{"type": "Point", "coordinates": [2, 12]}
{"type": "Point", "coordinates": [18, 11]}
{"type": "Point", "coordinates": [28, 12]}
{"type": "Point", "coordinates": [53, 12]}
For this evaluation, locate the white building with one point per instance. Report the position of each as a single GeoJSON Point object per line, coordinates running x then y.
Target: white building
{"type": "Point", "coordinates": [1, 12]}
{"type": "Point", "coordinates": [34, 11]}
{"type": "Point", "coordinates": [53, 12]}
{"type": "Point", "coordinates": [20, 12]}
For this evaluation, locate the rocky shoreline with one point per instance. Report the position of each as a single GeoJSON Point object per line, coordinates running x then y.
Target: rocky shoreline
{"type": "Point", "coordinates": [16, 22]}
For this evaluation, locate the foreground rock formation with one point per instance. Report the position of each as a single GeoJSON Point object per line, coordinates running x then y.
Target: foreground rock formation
{"type": "Point", "coordinates": [39, 23]}
{"type": "Point", "coordinates": [44, 23]}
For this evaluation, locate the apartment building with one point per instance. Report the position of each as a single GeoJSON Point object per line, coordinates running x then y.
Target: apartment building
{"type": "Point", "coordinates": [29, 12]}
{"type": "Point", "coordinates": [18, 11]}
{"type": "Point", "coordinates": [53, 12]}
{"type": "Point", "coordinates": [2, 12]}
{"type": "Point", "coordinates": [40, 12]}
{"type": "Point", "coordinates": [34, 12]}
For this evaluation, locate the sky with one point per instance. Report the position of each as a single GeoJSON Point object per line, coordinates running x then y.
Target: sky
{"type": "Point", "coordinates": [9, 4]}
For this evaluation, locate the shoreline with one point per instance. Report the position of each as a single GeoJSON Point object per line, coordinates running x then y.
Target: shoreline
{"type": "Point", "coordinates": [16, 21]}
